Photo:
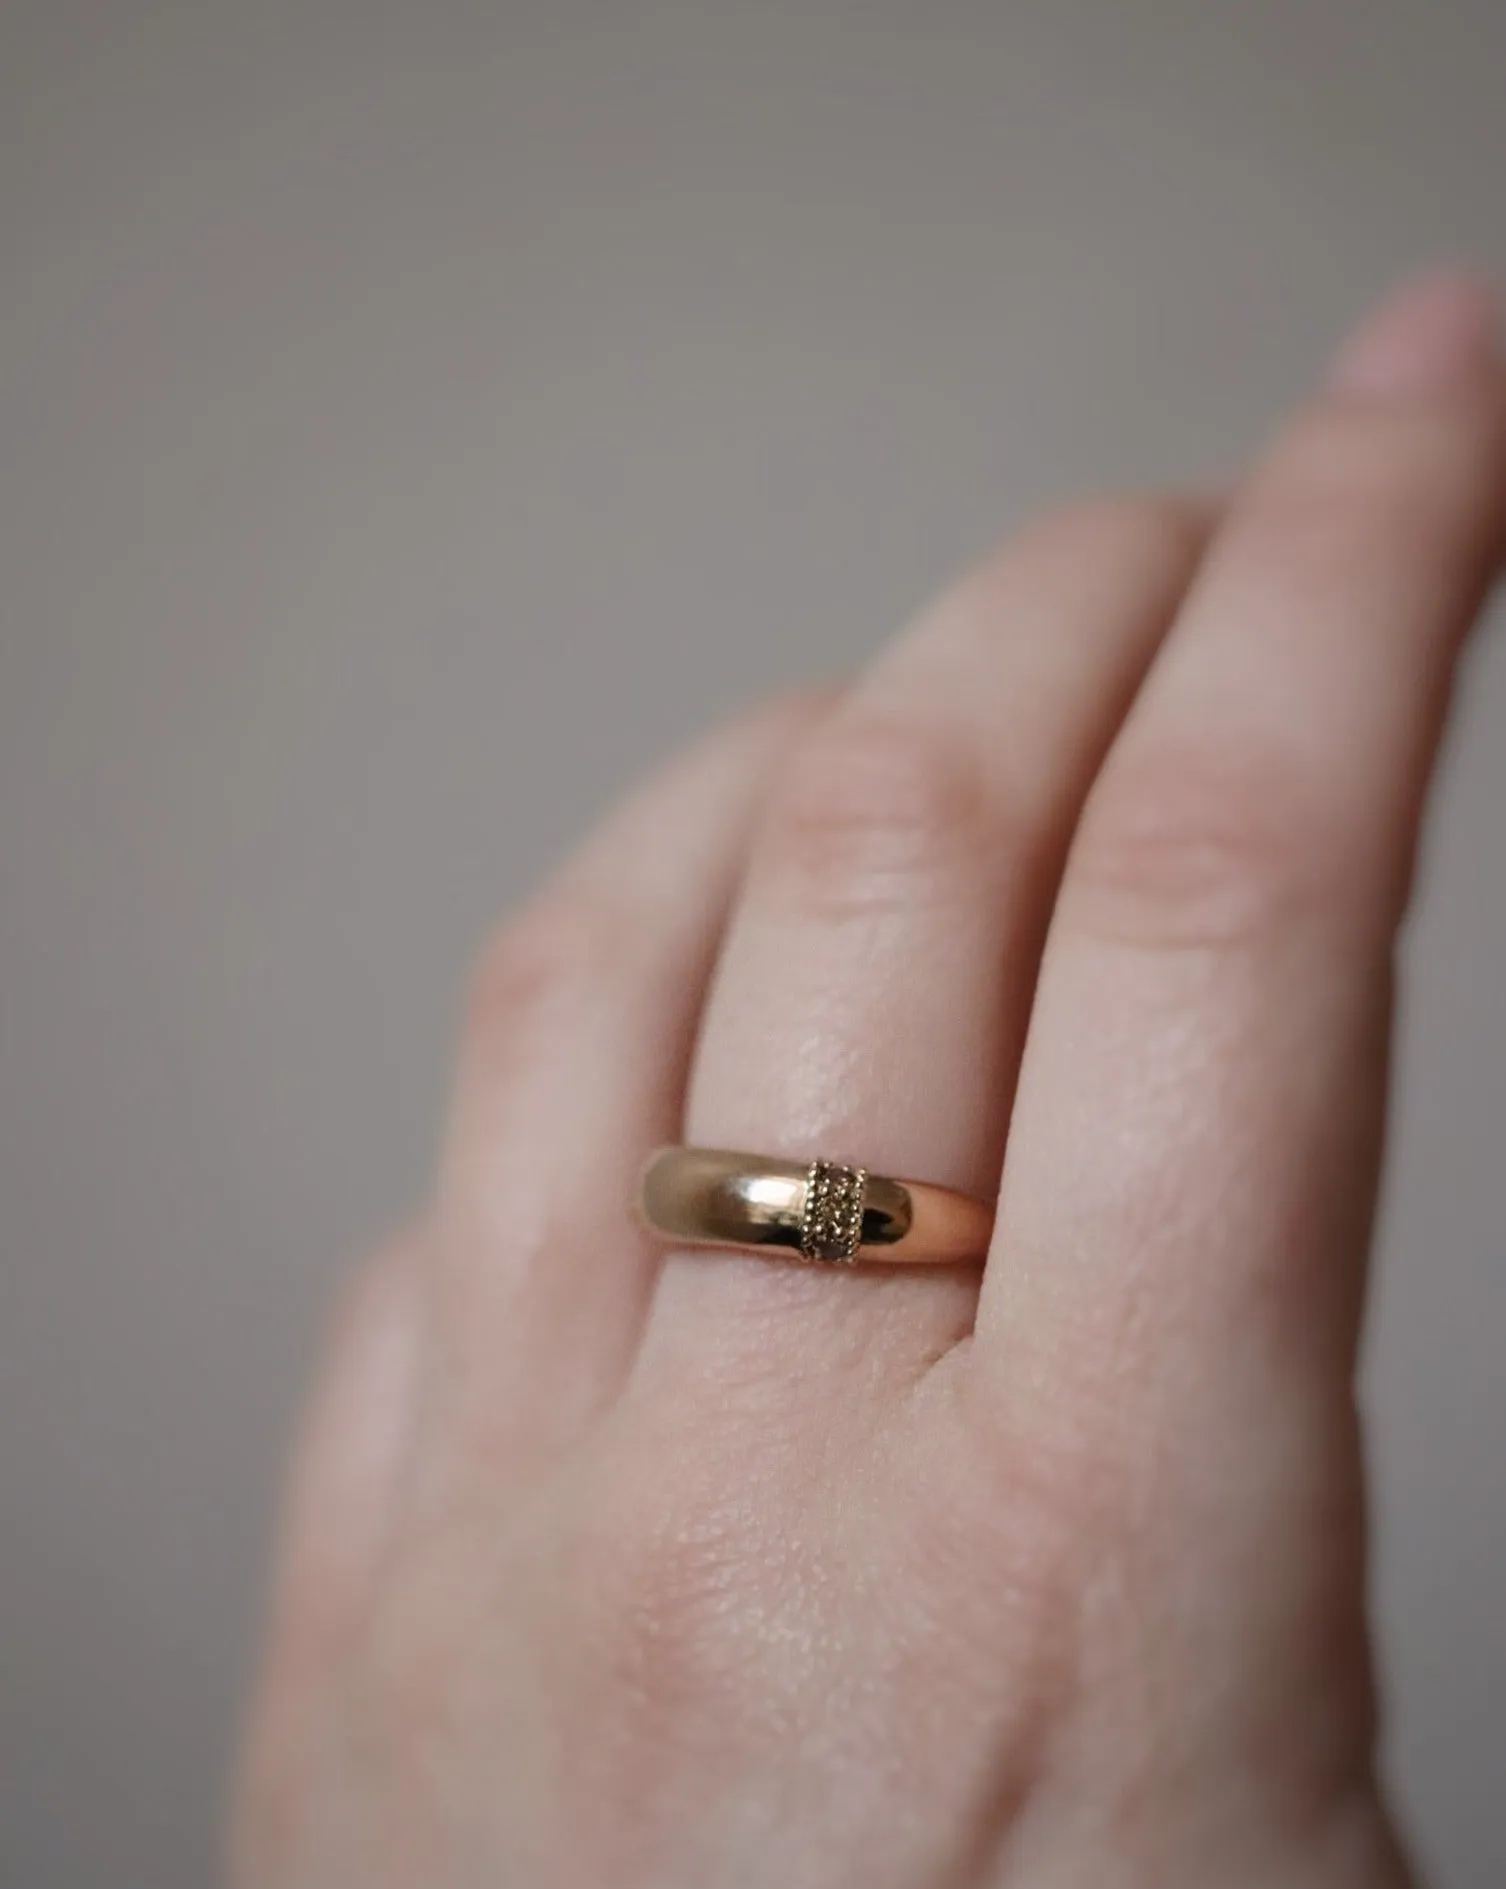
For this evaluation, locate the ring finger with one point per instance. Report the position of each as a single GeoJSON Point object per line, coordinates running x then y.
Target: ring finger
{"type": "Point", "coordinates": [871, 995]}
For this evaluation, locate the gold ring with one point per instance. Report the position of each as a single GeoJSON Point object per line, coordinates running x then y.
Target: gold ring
{"type": "Point", "coordinates": [816, 1211]}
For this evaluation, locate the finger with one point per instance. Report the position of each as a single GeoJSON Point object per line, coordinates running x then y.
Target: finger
{"type": "Point", "coordinates": [872, 989]}
{"type": "Point", "coordinates": [572, 1067]}
{"type": "Point", "coordinates": [1178, 1259]}
{"type": "Point", "coordinates": [338, 1514]}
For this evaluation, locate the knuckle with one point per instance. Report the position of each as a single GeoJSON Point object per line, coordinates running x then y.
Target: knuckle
{"type": "Point", "coordinates": [665, 1601]}
{"type": "Point", "coordinates": [1034, 1504]}
{"type": "Point", "coordinates": [1197, 851]}
{"type": "Point", "coordinates": [1033, 1520]}
{"type": "Point", "coordinates": [876, 806]}
{"type": "Point", "coordinates": [539, 964]}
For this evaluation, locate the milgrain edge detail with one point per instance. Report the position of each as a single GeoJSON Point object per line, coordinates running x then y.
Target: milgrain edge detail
{"type": "Point", "coordinates": [831, 1228]}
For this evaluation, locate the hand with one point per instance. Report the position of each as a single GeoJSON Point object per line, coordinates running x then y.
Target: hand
{"type": "Point", "coordinates": [607, 1569]}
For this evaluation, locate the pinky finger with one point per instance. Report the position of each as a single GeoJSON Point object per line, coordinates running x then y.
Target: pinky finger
{"type": "Point", "coordinates": [581, 1028]}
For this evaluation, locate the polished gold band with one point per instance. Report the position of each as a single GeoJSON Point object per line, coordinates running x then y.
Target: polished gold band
{"type": "Point", "coordinates": [816, 1211]}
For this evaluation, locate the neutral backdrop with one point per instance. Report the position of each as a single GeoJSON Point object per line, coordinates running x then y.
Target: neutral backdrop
{"type": "Point", "coordinates": [415, 418]}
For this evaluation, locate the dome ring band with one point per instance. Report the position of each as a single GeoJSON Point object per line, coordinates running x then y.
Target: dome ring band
{"type": "Point", "coordinates": [819, 1211]}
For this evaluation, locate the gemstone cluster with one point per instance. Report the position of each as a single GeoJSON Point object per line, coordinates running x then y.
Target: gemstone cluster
{"type": "Point", "coordinates": [832, 1227]}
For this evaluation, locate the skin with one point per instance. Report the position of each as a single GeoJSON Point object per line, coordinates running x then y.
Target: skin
{"type": "Point", "coordinates": [607, 1566]}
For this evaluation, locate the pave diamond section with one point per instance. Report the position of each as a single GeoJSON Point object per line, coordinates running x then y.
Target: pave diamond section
{"type": "Point", "coordinates": [832, 1228]}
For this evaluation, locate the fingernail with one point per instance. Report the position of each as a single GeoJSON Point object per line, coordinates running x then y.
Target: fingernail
{"type": "Point", "coordinates": [1434, 335]}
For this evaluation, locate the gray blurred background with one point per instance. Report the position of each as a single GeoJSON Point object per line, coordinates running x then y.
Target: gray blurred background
{"type": "Point", "coordinates": [413, 419]}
